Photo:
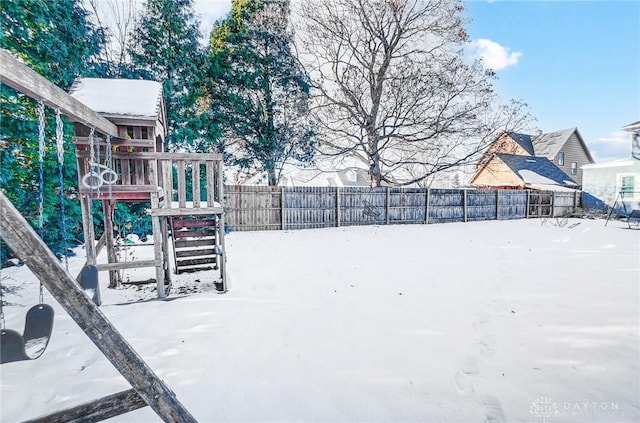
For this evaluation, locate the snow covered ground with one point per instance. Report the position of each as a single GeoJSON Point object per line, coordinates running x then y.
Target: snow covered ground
{"type": "Point", "coordinates": [462, 322]}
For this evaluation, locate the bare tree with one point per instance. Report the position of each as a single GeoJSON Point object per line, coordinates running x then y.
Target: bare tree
{"type": "Point", "coordinates": [117, 17]}
{"type": "Point", "coordinates": [392, 89]}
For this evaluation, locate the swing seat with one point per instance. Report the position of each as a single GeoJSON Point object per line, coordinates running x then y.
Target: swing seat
{"type": "Point", "coordinates": [89, 283]}
{"type": "Point", "coordinates": [37, 332]}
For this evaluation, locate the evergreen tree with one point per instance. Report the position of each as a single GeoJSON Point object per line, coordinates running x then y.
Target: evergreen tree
{"type": "Point", "coordinates": [166, 49]}
{"type": "Point", "coordinates": [57, 40]}
{"type": "Point", "coordinates": [260, 96]}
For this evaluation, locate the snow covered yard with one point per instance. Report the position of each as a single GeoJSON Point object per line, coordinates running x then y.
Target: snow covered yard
{"type": "Point", "coordinates": [459, 322]}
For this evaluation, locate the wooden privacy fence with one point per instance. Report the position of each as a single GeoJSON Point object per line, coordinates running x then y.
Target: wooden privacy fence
{"type": "Point", "coordinates": [250, 208]}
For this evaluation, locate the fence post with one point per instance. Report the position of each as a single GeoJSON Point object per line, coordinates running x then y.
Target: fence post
{"type": "Point", "coordinates": [337, 206]}
{"type": "Point", "coordinates": [553, 204]}
{"type": "Point", "coordinates": [526, 212]}
{"type": "Point", "coordinates": [282, 212]}
{"type": "Point", "coordinates": [464, 204]}
{"type": "Point", "coordinates": [426, 205]}
{"type": "Point", "coordinates": [388, 206]}
{"type": "Point", "coordinates": [497, 204]}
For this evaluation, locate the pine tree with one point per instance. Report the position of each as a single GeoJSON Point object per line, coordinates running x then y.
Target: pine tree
{"type": "Point", "coordinates": [166, 49]}
{"type": "Point", "coordinates": [260, 96]}
{"type": "Point", "coordinates": [57, 40]}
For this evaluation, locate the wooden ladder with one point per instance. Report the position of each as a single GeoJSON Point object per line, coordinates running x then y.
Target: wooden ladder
{"type": "Point", "coordinates": [195, 243]}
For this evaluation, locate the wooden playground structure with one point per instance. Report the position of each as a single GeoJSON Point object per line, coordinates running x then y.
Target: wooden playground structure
{"type": "Point", "coordinates": [189, 223]}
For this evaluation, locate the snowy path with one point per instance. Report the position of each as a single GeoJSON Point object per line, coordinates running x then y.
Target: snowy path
{"type": "Point", "coordinates": [452, 322]}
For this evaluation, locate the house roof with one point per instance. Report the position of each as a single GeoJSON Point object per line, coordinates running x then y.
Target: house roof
{"type": "Point", "coordinates": [537, 170]}
{"type": "Point", "coordinates": [524, 140]}
{"type": "Point", "coordinates": [130, 98]}
{"type": "Point", "coordinates": [549, 144]}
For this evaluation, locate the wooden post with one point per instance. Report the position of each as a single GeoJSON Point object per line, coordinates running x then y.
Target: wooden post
{"type": "Point", "coordinates": [464, 204]}
{"type": "Point", "coordinates": [108, 210]}
{"type": "Point", "coordinates": [88, 229]}
{"type": "Point", "coordinates": [526, 213]}
{"type": "Point", "coordinates": [19, 76]}
{"type": "Point", "coordinates": [96, 411]}
{"type": "Point", "coordinates": [22, 239]}
{"type": "Point", "coordinates": [426, 206]}
{"type": "Point", "coordinates": [497, 204]}
{"type": "Point", "coordinates": [388, 205]}
{"type": "Point", "coordinates": [337, 206]}
{"type": "Point", "coordinates": [221, 225]}
{"type": "Point", "coordinates": [282, 210]}
{"type": "Point", "coordinates": [553, 204]}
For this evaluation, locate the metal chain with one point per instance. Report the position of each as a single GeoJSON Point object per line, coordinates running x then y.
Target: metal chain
{"type": "Point", "coordinates": [92, 159]}
{"type": "Point", "coordinates": [41, 136]}
{"type": "Point", "coordinates": [108, 161]}
{"type": "Point", "coordinates": [63, 216]}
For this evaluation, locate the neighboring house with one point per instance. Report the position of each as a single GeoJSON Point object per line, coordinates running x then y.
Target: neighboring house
{"type": "Point", "coordinates": [508, 143]}
{"type": "Point", "coordinates": [615, 183]}
{"type": "Point", "coordinates": [510, 171]}
{"type": "Point", "coordinates": [565, 149]}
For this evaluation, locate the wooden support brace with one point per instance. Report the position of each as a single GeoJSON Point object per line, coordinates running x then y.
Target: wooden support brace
{"type": "Point", "coordinates": [23, 240]}
{"type": "Point", "coordinates": [95, 411]}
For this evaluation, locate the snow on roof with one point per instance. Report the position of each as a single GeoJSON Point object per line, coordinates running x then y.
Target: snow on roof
{"type": "Point", "coordinates": [119, 97]}
{"type": "Point", "coordinates": [611, 163]}
{"type": "Point", "coordinates": [537, 170]}
{"type": "Point", "coordinates": [549, 144]}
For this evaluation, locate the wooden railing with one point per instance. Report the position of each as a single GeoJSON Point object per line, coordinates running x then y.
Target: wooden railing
{"type": "Point", "coordinates": [183, 180]}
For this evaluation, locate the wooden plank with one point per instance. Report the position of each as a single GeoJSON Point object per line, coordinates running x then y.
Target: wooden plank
{"type": "Point", "coordinates": [182, 183]}
{"type": "Point", "coordinates": [211, 181]}
{"type": "Point", "coordinates": [98, 410]}
{"type": "Point", "coordinates": [195, 183]}
{"type": "Point", "coordinates": [167, 183]}
{"type": "Point", "coordinates": [193, 234]}
{"type": "Point", "coordinates": [21, 77]}
{"type": "Point", "coordinates": [187, 211]}
{"type": "Point", "coordinates": [191, 243]}
{"type": "Point", "coordinates": [22, 239]}
{"type": "Point", "coordinates": [195, 253]}
{"type": "Point", "coordinates": [128, 265]}
{"type": "Point", "coordinates": [197, 261]}
{"type": "Point", "coordinates": [151, 155]}
{"type": "Point", "coordinates": [193, 223]}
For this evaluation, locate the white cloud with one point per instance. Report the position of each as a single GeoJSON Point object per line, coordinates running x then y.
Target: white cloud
{"type": "Point", "coordinates": [494, 56]}
{"type": "Point", "coordinates": [615, 146]}
{"type": "Point", "coordinates": [210, 11]}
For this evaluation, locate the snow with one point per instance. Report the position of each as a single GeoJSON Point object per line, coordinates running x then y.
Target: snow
{"type": "Point", "coordinates": [532, 177]}
{"type": "Point", "coordinates": [119, 97]}
{"type": "Point", "coordinates": [528, 320]}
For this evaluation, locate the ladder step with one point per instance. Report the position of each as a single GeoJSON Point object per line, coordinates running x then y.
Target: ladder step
{"type": "Point", "coordinates": [193, 253]}
{"type": "Point", "coordinates": [196, 262]}
{"type": "Point", "coordinates": [189, 243]}
{"type": "Point", "coordinates": [193, 234]}
{"type": "Point", "coordinates": [192, 223]}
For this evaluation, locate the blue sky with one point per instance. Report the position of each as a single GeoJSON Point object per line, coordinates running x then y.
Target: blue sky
{"type": "Point", "coordinates": [576, 63]}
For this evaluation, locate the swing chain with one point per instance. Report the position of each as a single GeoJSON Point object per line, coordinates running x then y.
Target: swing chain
{"type": "Point", "coordinates": [108, 163]}
{"type": "Point", "coordinates": [41, 152]}
{"type": "Point", "coordinates": [60, 151]}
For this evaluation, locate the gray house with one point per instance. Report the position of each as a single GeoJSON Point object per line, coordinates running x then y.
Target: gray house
{"type": "Point", "coordinates": [615, 183]}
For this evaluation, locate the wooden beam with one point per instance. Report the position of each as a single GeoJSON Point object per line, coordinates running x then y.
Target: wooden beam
{"type": "Point", "coordinates": [95, 411]}
{"type": "Point", "coordinates": [21, 77]}
{"type": "Point", "coordinates": [24, 242]}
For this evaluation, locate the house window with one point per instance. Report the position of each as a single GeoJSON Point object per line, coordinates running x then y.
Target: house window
{"type": "Point", "coordinates": [627, 184]}
{"type": "Point", "coordinates": [560, 159]}
{"type": "Point", "coordinates": [574, 168]}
